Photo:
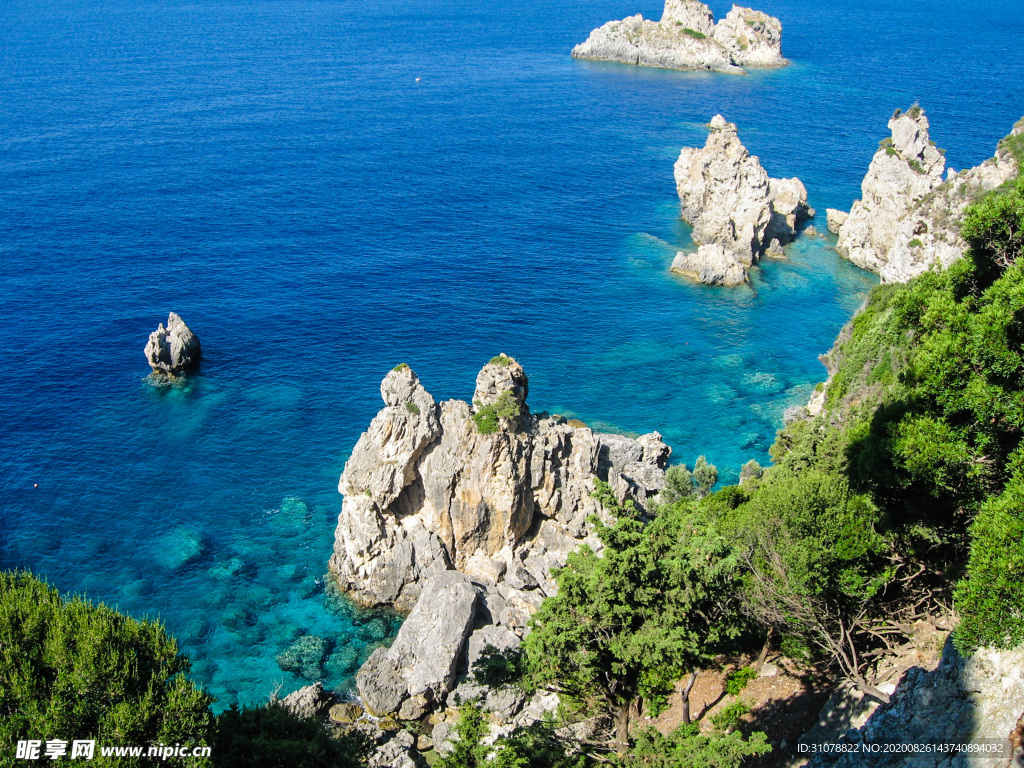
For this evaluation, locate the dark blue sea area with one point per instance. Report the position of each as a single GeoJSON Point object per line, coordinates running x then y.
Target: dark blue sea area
{"type": "Point", "coordinates": [325, 189]}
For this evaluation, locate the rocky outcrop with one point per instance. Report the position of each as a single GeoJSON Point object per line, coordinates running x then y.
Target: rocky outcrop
{"type": "Point", "coordinates": [737, 211]}
{"type": "Point", "coordinates": [908, 217]}
{"type": "Point", "coordinates": [963, 701]}
{"type": "Point", "coordinates": [174, 349]}
{"type": "Point", "coordinates": [687, 37]}
{"type": "Point", "coordinates": [460, 513]}
{"type": "Point", "coordinates": [490, 489]}
{"type": "Point", "coordinates": [311, 701]}
{"type": "Point", "coordinates": [422, 661]}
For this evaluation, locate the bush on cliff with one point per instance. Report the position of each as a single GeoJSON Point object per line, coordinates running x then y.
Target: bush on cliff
{"type": "Point", "coordinates": [656, 604]}
{"type": "Point", "coordinates": [71, 670]}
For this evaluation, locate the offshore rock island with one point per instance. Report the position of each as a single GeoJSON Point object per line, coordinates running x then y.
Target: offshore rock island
{"type": "Point", "coordinates": [687, 37]}
{"type": "Point", "coordinates": [738, 213]}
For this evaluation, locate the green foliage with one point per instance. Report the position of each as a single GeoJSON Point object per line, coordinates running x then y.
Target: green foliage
{"type": "Point", "coordinates": [915, 111]}
{"type": "Point", "coordinates": [411, 407]}
{"type": "Point", "coordinates": [694, 33]}
{"type": "Point", "coordinates": [705, 476]}
{"type": "Point", "coordinates": [275, 737]}
{"type": "Point", "coordinates": [469, 751]}
{"type": "Point", "coordinates": [737, 680]}
{"type": "Point", "coordinates": [487, 416]}
{"type": "Point", "coordinates": [886, 142]}
{"type": "Point", "coordinates": [728, 718]}
{"type": "Point", "coordinates": [892, 151]}
{"type": "Point", "coordinates": [915, 165]}
{"type": "Point", "coordinates": [681, 483]}
{"type": "Point", "coordinates": [70, 669]}
{"type": "Point", "coordinates": [541, 747]}
{"type": "Point", "coordinates": [687, 747]}
{"type": "Point", "coordinates": [991, 597]}
{"type": "Point", "coordinates": [497, 668]}
{"type": "Point", "coordinates": [401, 367]}
{"type": "Point", "coordinates": [994, 229]}
{"type": "Point", "coordinates": [915, 243]}
{"type": "Point", "coordinates": [654, 605]}
{"type": "Point", "coordinates": [502, 360]}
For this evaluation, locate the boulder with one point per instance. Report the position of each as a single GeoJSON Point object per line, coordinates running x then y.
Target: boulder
{"type": "Point", "coordinates": [173, 350]}
{"type": "Point", "coordinates": [835, 219]}
{"type": "Point", "coordinates": [712, 264]}
{"type": "Point", "coordinates": [687, 37]}
{"type": "Point", "coordinates": [311, 701]}
{"type": "Point", "coordinates": [422, 661]}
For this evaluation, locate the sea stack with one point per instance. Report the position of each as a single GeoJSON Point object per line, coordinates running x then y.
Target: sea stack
{"type": "Point", "coordinates": [737, 211]}
{"type": "Point", "coordinates": [173, 350]}
{"type": "Point", "coordinates": [687, 37]}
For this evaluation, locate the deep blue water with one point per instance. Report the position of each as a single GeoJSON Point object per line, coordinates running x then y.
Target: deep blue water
{"type": "Point", "coordinates": [273, 170]}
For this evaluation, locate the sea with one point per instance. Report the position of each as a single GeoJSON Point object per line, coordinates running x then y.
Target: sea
{"type": "Point", "coordinates": [326, 188]}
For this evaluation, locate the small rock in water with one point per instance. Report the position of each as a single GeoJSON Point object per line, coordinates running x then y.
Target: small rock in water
{"type": "Point", "coordinates": [179, 548]}
{"type": "Point", "coordinates": [343, 661]}
{"type": "Point", "coordinates": [228, 569]}
{"type": "Point", "coordinates": [292, 517]}
{"type": "Point", "coordinates": [174, 349]}
{"type": "Point", "coordinates": [375, 629]}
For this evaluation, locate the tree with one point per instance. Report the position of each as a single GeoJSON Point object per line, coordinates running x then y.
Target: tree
{"type": "Point", "coordinates": [70, 670]}
{"type": "Point", "coordinates": [687, 747]}
{"type": "Point", "coordinates": [656, 604]}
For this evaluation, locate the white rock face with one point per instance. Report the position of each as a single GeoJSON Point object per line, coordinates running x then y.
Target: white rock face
{"type": "Point", "coordinates": [422, 661]}
{"type": "Point", "coordinates": [733, 204]}
{"type": "Point", "coordinates": [426, 491]}
{"type": "Point", "coordinates": [835, 219]}
{"type": "Point", "coordinates": [688, 38]}
{"type": "Point", "coordinates": [174, 349]}
{"type": "Point", "coordinates": [908, 218]}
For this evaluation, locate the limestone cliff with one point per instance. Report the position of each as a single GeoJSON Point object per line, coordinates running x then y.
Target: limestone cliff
{"type": "Point", "coordinates": [737, 211]}
{"type": "Point", "coordinates": [489, 489]}
{"type": "Point", "coordinates": [908, 217]}
{"type": "Point", "coordinates": [687, 37]}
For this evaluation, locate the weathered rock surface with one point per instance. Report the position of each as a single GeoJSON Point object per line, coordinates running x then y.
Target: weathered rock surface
{"type": "Point", "coordinates": [174, 349]}
{"type": "Point", "coordinates": [712, 264]}
{"type": "Point", "coordinates": [305, 657]}
{"type": "Point", "coordinates": [961, 701]}
{"type": "Point", "coordinates": [687, 37]}
{"type": "Point", "coordinates": [733, 204]}
{"type": "Point", "coordinates": [835, 219]}
{"type": "Point", "coordinates": [311, 701]}
{"type": "Point", "coordinates": [426, 491]}
{"type": "Point", "coordinates": [908, 217]}
{"type": "Point", "coordinates": [423, 659]}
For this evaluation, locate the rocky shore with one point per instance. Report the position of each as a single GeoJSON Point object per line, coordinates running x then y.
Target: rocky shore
{"type": "Point", "coordinates": [687, 37]}
{"type": "Point", "coordinates": [738, 212]}
{"type": "Point", "coordinates": [908, 216]}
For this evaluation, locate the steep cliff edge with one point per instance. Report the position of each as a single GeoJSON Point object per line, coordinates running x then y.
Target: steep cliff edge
{"type": "Point", "coordinates": [490, 489]}
{"type": "Point", "coordinates": [737, 211]}
{"type": "Point", "coordinates": [908, 217]}
{"type": "Point", "coordinates": [687, 37]}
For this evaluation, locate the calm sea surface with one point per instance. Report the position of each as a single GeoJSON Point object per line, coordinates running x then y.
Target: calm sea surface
{"type": "Point", "coordinates": [326, 189]}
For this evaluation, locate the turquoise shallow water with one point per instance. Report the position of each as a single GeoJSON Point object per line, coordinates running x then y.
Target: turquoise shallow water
{"type": "Point", "coordinates": [273, 171]}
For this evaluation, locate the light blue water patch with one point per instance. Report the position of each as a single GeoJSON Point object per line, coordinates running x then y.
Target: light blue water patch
{"type": "Point", "coordinates": [273, 172]}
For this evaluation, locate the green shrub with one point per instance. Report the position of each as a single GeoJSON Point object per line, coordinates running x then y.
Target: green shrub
{"type": "Point", "coordinates": [737, 680]}
{"type": "Point", "coordinates": [687, 747]}
{"type": "Point", "coordinates": [503, 360]}
{"type": "Point", "coordinates": [694, 33]}
{"type": "Point", "coordinates": [915, 243]}
{"type": "Point", "coordinates": [916, 165]}
{"type": "Point", "coordinates": [70, 669]}
{"type": "Point", "coordinates": [891, 151]}
{"type": "Point", "coordinates": [412, 407]}
{"type": "Point", "coordinates": [401, 367]}
{"type": "Point", "coordinates": [728, 719]}
{"type": "Point", "coordinates": [487, 416]}
{"type": "Point", "coordinates": [498, 669]}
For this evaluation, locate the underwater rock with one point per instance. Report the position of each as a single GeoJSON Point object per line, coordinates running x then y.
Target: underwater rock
{"type": "Point", "coordinates": [305, 657]}
{"type": "Point", "coordinates": [712, 265]}
{"type": "Point", "coordinates": [688, 38]}
{"type": "Point", "coordinates": [179, 548]}
{"type": "Point", "coordinates": [174, 349]}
